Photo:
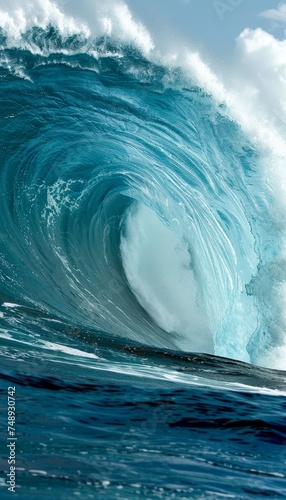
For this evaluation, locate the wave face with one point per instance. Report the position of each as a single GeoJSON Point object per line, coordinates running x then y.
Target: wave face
{"type": "Point", "coordinates": [131, 207]}
{"type": "Point", "coordinates": [138, 239]}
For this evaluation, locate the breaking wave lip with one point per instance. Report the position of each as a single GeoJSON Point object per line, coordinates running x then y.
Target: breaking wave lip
{"type": "Point", "coordinates": [146, 214]}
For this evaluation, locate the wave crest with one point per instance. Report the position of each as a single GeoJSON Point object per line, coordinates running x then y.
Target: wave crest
{"type": "Point", "coordinates": [108, 158]}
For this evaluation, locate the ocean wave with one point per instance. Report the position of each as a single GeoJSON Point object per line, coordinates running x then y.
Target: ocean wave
{"type": "Point", "coordinates": [136, 202]}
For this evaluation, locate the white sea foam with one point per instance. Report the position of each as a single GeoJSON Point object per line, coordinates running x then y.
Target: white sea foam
{"type": "Point", "coordinates": [159, 269]}
{"type": "Point", "coordinates": [90, 20]}
{"type": "Point", "coordinates": [16, 19]}
{"type": "Point", "coordinates": [67, 350]}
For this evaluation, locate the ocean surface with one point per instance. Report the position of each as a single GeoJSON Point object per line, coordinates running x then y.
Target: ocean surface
{"type": "Point", "coordinates": [142, 264]}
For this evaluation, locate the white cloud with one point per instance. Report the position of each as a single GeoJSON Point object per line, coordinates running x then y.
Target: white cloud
{"type": "Point", "coordinates": [264, 58]}
{"type": "Point", "coordinates": [278, 14]}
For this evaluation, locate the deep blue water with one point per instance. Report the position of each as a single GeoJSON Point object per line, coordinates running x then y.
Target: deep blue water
{"type": "Point", "coordinates": [138, 314]}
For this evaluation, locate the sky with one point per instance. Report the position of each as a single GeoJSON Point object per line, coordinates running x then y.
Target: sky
{"type": "Point", "coordinates": [211, 26]}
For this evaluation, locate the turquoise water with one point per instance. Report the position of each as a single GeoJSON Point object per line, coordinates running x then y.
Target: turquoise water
{"type": "Point", "coordinates": [139, 319]}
